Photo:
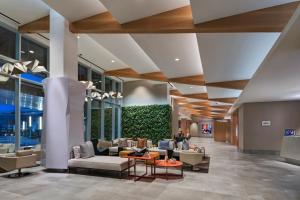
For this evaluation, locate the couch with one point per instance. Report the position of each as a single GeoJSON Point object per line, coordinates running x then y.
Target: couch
{"type": "Point", "coordinates": [88, 160]}
{"type": "Point", "coordinates": [22, 159]}
{"type": "Point", "coordinates": [192, 158]}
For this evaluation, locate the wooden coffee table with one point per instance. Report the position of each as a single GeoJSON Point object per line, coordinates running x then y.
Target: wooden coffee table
{"type": "Point", "coordinates": [167, 165]}
{"type": "Point", "coordinates": [141, 158]}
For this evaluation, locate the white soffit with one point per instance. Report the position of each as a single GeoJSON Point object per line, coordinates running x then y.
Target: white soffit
{"type": "Point", "coordinates": [129, 10]}
{"type": "Point", "coordinates": [233, 56]}
{"type": "Point", "coordinates": [189, 89]}
{"type": "Point", "coordinates": [76, 9]}
{"type": "Point", "coordinates": [214, 92]}
{"type": "Point", "coordinates": [126, 49]}
{"type": "Point", "coordinates": [207, 10]}
{"type": "Point", "coordinates": [163, 49]}
{"type": "Point", "coordinates": [95, 53]}
{"type": "Point", "coordinates": [213, 103]}
{"type": "Point", "coordinates": [24, 11]}
{"type": "Point", "coordinates": [278, 77]}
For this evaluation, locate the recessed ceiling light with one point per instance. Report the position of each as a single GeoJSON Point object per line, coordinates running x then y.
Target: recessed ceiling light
{"type": "Point", "coordinates": [78, 36]}
{"type": "Point", "coordinates": [113, 61]}
{"type": "Point", "coordinates": [177, 59]}
{"type": "Point", "coordinates": [30, 51]}
{"type": "Point", "coordinates": [191, 87]}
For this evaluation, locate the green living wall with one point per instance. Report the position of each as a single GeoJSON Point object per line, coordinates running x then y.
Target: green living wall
{"type": "Point", "coordinates": [151, 122]}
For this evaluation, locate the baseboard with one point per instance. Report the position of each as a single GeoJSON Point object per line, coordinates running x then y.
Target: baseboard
{"type": "Point", "coordinates": [261, 152]}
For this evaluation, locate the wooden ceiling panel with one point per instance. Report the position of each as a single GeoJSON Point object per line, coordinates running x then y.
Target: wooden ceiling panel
{"type": "Point", "coordinates": [180, 20]}
{"type": "Point", "coordinates": [41, 25]}
{"type": "Point", "coordinates": [238, 84]}
{"type": "Point", "coordinates": [126, 72]}
{"type": "Point", "coordinates": [197, 96]}
{"type": "Point", "coordinates": [190, 80]}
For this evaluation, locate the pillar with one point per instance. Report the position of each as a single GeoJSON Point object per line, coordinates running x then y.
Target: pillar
{"type": "Point", "coordinates": [64, 97]}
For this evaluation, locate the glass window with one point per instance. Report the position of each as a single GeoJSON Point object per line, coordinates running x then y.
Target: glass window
{"type": "Point", "coordinates": [96, 119]}
{"type": "Point", "coordinates": [108, 84]}
{"type": "Point", "coordinates": [8, 43]}
{"type": "Point", "coordinates": [82, 73]}
{"type": "Point", "coordinates": [7, 115]}
{"type": "Point", "coordinates": [117, 125]}
{"type": "Point", "coordinates": [97, 80]}
{"type": "Point", "coordinates": [118, 87]}
{"type": "Point", "coordinates": [108, 121]}
{"type": "Point", "coordinates": [32, 97]}
{"type": "Point", "coordinates": [31, 51]}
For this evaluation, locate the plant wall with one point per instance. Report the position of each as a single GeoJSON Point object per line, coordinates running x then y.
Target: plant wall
{"type": "Point", "coordinates": [151, 122]}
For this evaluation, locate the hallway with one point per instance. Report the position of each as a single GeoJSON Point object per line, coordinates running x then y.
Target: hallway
{"type": "Point", "coordinates": [232, 175]}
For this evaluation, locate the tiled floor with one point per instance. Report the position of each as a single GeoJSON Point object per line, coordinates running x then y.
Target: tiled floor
{"type": "Point", "coordinates": [232, 175]}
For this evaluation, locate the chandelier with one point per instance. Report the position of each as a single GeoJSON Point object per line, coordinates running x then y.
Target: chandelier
{"type": "Point", "coordinates": [99, 94]}
{"type": "Point", "coordinates": [13, 69]}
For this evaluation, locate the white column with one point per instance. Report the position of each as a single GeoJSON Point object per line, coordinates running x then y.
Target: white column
{"type": "Point", "coordinates": [63, 48]}
{"type": "Point", "coordinates": [64, 97]}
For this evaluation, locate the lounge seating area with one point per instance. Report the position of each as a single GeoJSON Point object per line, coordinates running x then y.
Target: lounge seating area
{"type": "Point", "coordinates": [118, 152]}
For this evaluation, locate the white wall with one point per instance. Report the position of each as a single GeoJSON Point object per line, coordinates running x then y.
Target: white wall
{"type": "Point", "coordinates": [142, 92]}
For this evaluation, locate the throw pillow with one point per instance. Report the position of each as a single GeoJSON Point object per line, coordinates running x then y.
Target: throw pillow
{"type": "Point", "coordinates": [85, 150]}
{"type": "Point", "coordinates": [164, 145]}
{"type": "Point", "coordinates": [122, 142]}
{"type": "Point", "coordinates": [103, 145]}
{"type": "Point", "coordinates": [185, 145]}
{"type": "Point", "coordinates": [76, 152]}
{"type": "Point", "coordinates": [141, 142]}
{"type": "Point", "coordinates": [179, 145]}
{"type": "Point", "coordinates": [91, 148]}
{"type": "Point", "coordinates": [129, 143]}
{"type": "Point", "coordinates": [171, 144]}
{"type": "Point", "coordinates": [149, 144]}
{"type": "Point", "coordinates": [115, 142]}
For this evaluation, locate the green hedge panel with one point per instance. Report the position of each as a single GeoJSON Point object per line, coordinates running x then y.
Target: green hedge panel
{"type": "Point", "coordinates": [152, 122]}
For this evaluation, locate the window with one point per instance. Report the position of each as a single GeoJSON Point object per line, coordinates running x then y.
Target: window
{"type": "Point", "coordinates": [7, 113]}
{"type": "Point", "coordinates": [32, 97]}
{"type": "Point", "coordinates": [96, 119]}
{"type": "Point", "coordinates": [108, 85]}
{"type": "Point", "coordinates": [108, 121]}
{"type": "Point", "coordinates": [97, 80]}
{"type": "Point", "coordinates": [82, 73]}
{"type": "Point", "coordinates": [31, 51]}
{"type": "Point", "coordinates": [8, 43]}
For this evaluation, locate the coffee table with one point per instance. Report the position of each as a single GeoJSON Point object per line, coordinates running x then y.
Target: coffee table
{"type": "Point", "coordinates": [141, 158]}
{"type": "Point", "coordinates": [168, 164]}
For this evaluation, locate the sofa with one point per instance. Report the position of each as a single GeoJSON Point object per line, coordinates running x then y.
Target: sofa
{"type": "Point", "coordinates": [85, 158]}
{"type": "Point", "coordinates": [22, 159]}
{"type": "Point", "coordinates": [7, 148]}
{"type": "Point", "coordinates": [192, 158]}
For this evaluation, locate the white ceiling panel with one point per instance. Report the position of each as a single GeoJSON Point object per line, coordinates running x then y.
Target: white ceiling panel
{"type": "Point", "coordinates": [24, 11]}
{"type": "Point", "coordinates": [189, 89]}
{"type": "Point", "coordinates": [129, 10]}
{"type": "Point", "coordinates": [206, 10]}
{"type": "Point", "coordinates": [233, 56]}
{"type": "Point", "coordinates": [163, 49]}
{"type": "Point", "coordinates": [95, 53]}
{"type": "Point", "coordinates": [76, 9]}
{"type": "Point", "coordinates": [127, 50]}
{"type": "Point", "coordinates": [214, 92]}
{"type": "Point", "coordinates": [278, 77]}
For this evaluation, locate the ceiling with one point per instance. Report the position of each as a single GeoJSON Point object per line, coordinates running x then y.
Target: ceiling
{"type": "Point", "coordinates": [219, 57]}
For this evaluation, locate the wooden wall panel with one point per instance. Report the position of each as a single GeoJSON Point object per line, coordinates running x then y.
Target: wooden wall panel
{"type": "Point", "coordinates": [221, 129]}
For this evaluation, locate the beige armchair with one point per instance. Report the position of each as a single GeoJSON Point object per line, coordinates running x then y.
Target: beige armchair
{"type": "Point", "coordinates": [191, 158]}
{"type": "Point", "coordinates": [21, 160]}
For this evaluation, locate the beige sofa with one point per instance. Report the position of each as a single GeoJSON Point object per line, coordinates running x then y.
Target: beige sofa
{"type": "Point", "coordinates": [88, 160]}
{"type": "Point", "coordinates": [22, 159]}
{"type": "Point", "coordinates": [191, 158]}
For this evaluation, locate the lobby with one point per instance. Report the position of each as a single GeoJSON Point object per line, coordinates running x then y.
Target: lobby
{"type": "Point", "coordinates": [173, 99]}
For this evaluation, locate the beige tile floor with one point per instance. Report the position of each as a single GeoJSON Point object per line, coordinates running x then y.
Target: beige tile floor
{"type": "Point", "coordinates": [232, 175]}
